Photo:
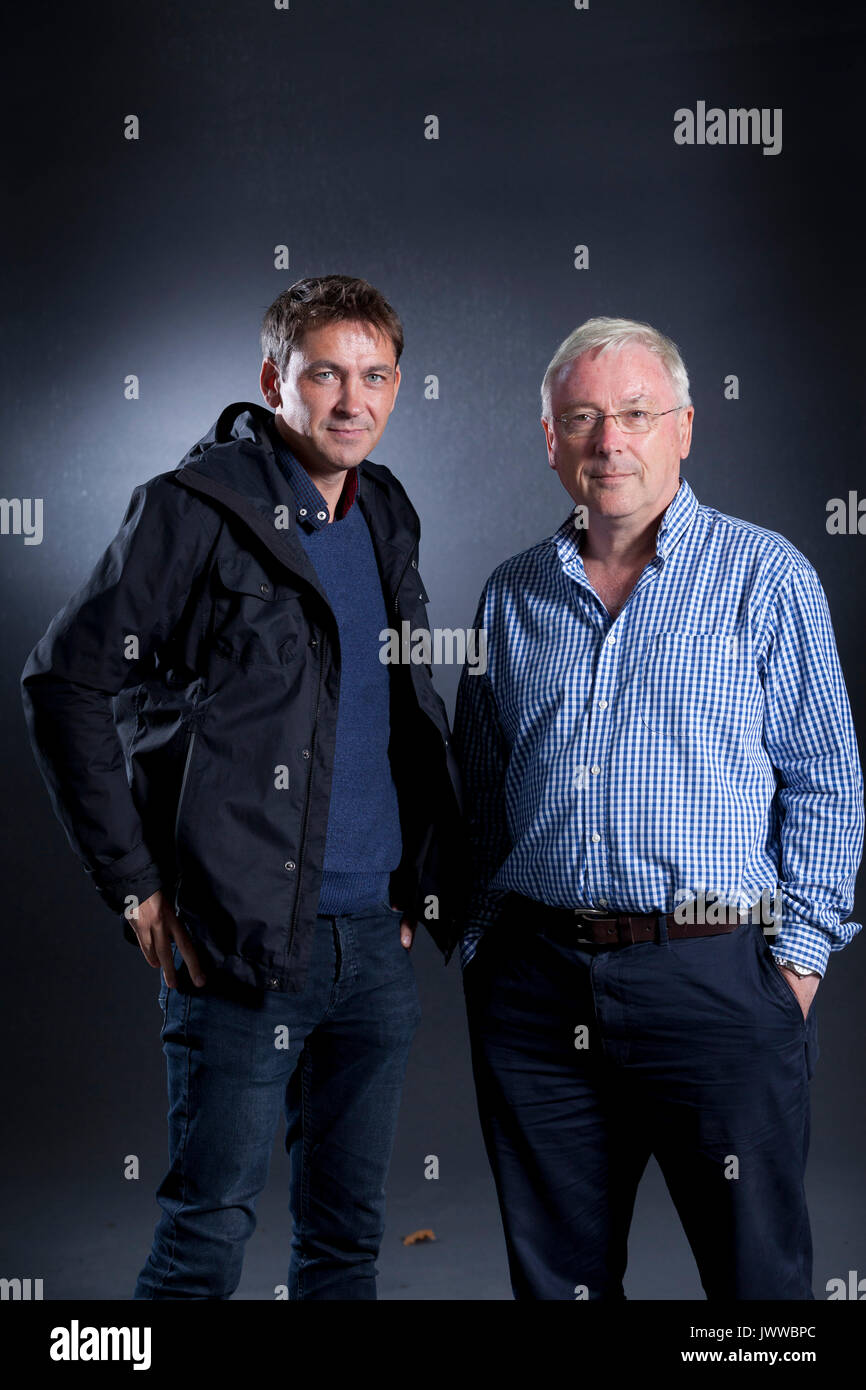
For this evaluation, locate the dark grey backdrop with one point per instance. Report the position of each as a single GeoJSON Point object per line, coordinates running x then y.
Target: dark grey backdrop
{"type": "Point", "coordinates": [306, 127]}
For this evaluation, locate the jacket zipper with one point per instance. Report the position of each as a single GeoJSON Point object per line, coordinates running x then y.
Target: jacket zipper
{"type": "Point", "coordinates": [399, 582]}
{"type": "Point", "coordinates": [397, 619]}
{"type": "Point", "coordinates": [303, 845]}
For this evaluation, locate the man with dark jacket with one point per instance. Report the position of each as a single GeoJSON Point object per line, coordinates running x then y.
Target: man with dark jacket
{"type": "Point", "coordinates": [252, 788]}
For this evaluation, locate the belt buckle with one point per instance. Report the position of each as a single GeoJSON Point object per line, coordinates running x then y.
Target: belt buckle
{"type": "Point", "coordinates": [596, 914]}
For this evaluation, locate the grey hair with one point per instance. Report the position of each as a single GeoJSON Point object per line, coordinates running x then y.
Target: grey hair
{"type": "Point", "coordinates": [607, 333]}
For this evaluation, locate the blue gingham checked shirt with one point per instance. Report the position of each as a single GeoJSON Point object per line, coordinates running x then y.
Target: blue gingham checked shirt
{"type": "Point", "coordinates": [700, 742]}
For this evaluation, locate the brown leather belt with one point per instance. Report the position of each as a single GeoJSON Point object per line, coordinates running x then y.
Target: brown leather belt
{"type": "Point", "coordinates": [608, 928]}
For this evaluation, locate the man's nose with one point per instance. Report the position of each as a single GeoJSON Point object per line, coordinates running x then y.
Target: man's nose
{"type": "Point", "coordinates": [608, 435]}
{"type": "Point", "coordinates": [350, 400]}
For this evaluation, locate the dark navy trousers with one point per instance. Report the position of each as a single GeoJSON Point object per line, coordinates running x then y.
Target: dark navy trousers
{"type": "Point", "coordinates": [588, 1059]}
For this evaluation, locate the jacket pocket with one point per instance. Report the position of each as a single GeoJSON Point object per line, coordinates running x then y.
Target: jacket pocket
{"type": "Point", "coordinates": [692, 684]}
{"type": "Point", "coordinates": [190, 748]}
{"type": "Point", "coordinates": [243, 575]}
{"type": "Point", "coordinates": [182, 825]}
{"type": "Point", "coordinates": [157, 754]}
{"type": "Point", "coordinates": [258, 620]}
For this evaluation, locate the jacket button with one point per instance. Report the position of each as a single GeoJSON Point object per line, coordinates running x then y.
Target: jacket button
{"type": "Point", "coordinates": [314, 641]}
{"type": "Point", "coordinates": [305, 752]}
{"type": "Point", "coordinates": [273, 984]}
{"type": "Point", "coordinates": [264, 588]}
{"type": "Point", "coordinates": [414, 564]}
{"type": "Point", "coordinates": [289, 864]}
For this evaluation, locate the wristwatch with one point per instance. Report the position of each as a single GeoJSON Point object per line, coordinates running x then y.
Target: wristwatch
{"type": "Point", "coordinates": [801, 970]}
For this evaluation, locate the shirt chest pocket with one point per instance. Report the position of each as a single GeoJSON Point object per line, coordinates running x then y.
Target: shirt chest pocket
{"type": "Point", "coordinates": [258, 619]}
{"type": "Point", "coordinates": [692, 685]}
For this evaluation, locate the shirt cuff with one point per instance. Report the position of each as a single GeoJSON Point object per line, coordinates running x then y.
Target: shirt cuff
{"type": "Point", "coordinates": [469, 943]}
{"type": "Point", "coordinates": [806, 946]}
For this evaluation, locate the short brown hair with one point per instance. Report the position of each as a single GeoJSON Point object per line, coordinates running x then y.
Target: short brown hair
{"type": "Point", "coordinates": [322, 299]}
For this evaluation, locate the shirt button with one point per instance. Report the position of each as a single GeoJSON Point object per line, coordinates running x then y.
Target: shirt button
{"type": "Point", "coordinates": [302, 511]}
{"type": "Point", "coordinates": [602, 902]}
{"type": "Point", "coordinates": [595, 837]}
{"type": "Point", "coordinates": [305, 752]}
{"type": "Point", "coordinates": [273, 984]}
{"type": "Point", "coordinates": [322, 516]}
{"type": "Point", "coordinates": [595, 768]}
{"type": "Point", "coordinates": [611, 640]}
{"type": "Point", "coordinates": [289, 864]}
{"type": "Point", "coordinates": [602, 704]}
{"type": "Point", "coordinates": [314, 641]}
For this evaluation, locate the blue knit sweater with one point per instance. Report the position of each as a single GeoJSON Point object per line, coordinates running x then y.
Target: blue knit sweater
{"type": "Point", "coordinates": [364, 841]}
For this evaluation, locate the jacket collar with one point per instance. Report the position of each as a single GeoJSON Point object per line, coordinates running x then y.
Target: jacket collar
{"type": "Point", "coordinates": [234, 464]}
{"type": "Point", "coordinates": [312, 511]}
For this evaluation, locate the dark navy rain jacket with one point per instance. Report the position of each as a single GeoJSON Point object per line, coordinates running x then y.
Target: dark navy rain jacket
{"type": "Point", "coordinates": [201, 655]}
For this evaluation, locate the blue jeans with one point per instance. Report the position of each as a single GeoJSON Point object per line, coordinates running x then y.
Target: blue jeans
{"type": "Point", "coordinates": [589, 1058]}
{"type": "Point", "coordinates": [334, 1056]}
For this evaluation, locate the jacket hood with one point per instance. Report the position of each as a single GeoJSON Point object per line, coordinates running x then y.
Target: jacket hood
{"type": "Point", "coordinates": [240, 420]}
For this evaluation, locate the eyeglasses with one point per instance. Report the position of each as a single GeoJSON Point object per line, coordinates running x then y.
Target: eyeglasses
{"type": "Point", "coordinates": [633, 421]}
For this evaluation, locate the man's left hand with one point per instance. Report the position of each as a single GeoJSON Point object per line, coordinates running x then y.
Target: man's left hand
{"type": "Point", "coordinates": [804, 986]}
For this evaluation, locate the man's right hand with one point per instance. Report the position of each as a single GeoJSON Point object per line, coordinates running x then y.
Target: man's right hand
{"type": "Point", "coordinates": [156, 925]}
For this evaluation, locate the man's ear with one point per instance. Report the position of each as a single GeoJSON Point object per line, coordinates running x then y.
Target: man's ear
{"type": "Point", "coordinates": [686, 419]}
{"type": "Point", "coordinates": [397, 379]}
{"type": "Point", "coordinates": [548, 435]}
{"type": "Point", "coordinates": [269, 382]}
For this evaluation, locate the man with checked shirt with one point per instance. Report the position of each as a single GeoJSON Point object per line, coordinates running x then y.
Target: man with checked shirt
{"type": "Point", "coordinates": [662, 741]}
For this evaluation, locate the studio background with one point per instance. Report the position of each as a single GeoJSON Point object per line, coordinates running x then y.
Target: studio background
{"type": "Point", "coordinates": [305, 127]}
